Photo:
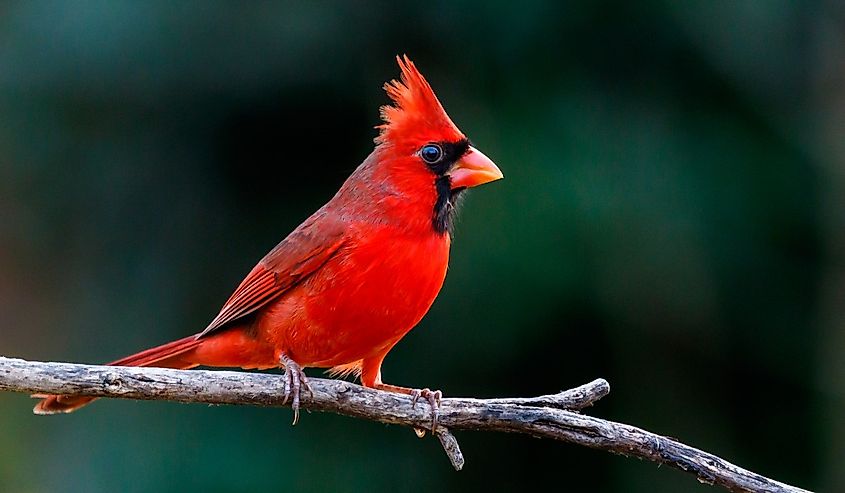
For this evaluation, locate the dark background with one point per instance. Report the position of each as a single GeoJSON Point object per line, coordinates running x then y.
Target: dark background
{"type": "Point", "coordinates": [672, 219]}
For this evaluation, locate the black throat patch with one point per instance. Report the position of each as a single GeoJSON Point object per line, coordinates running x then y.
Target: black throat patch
{"type": "Point", "coordinates": [446, 205]}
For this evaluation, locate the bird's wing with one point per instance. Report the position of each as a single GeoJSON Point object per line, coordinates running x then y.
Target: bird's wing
{"type": "Point", "coordinates": [300, 254]}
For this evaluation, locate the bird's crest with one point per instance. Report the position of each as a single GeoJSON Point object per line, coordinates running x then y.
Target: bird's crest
{"type": "Point", "coordinates": [416, 113]}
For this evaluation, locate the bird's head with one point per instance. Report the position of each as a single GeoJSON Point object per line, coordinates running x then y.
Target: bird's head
{"type": "Point", "coordinates": [424, 149]}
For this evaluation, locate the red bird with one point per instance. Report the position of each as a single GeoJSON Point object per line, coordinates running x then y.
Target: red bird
{"type": "Point", "coordinates": [346, 285]}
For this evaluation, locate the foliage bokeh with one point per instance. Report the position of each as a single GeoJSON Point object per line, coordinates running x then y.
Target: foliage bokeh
{"type": "Point", "coordinates": [671, 220]}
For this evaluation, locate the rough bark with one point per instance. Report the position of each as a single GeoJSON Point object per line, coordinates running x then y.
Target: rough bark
{"type": "Point", "coordinates": [551, 416]}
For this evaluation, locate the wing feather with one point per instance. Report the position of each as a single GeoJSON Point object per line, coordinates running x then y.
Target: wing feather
{"type": "Point", "coordinates": [299, 255]}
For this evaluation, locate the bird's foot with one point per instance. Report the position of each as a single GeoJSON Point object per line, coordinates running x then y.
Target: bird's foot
{"type": "Point", "coordinates": [295, 380]}
{"type": "Point", "coordinates": [433, 397]}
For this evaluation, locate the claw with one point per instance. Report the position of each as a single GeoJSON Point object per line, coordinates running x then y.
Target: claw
{"type": "Point", "coordinates": [286, 390]}
{"type": "Point", "coordinates": [434, 401]}
{"type": "Point", "coordinates": [295, 379]}
{"type": "Point", "coordinates": [433, 398]}
{"type": "Point", "coordinates": [307, 385]}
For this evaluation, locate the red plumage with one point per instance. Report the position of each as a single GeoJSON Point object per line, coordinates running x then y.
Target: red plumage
{"type": "Point", "coordinates": [346, 285]}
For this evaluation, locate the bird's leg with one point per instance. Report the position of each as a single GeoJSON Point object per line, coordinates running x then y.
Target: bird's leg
{"type": "Point", "coordinates": [371, 377]}
{"type": "Point", "coordinates": [432, 396]}
{"type": "Point", "coordinates": [295, 379]}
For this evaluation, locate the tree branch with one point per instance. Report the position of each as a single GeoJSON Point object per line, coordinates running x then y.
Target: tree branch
{"type": "Point", "coordinates": [551, 416]}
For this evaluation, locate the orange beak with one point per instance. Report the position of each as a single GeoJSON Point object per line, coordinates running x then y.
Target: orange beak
{"type": "Point", "coordinates": [474, 169]}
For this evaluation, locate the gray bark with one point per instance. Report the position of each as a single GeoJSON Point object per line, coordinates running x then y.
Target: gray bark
{"type": "Point", "coordinates": [552, 416]}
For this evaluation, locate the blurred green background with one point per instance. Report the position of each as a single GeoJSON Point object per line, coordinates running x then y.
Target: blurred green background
{"type": "Point", "coordinates": [672, 219]}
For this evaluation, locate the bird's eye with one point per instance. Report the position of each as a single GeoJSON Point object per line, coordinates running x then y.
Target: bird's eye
{"type": "Point", "coordinates": [431, 153]}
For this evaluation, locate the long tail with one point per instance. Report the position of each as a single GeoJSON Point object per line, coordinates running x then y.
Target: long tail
{"type": "Point", "coordinates": [170, 355]}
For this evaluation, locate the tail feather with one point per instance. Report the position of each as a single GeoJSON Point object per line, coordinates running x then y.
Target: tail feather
{"type": "Point", "coordinates": [170, 355]}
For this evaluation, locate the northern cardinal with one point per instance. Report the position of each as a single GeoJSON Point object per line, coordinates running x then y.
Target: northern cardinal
{"type": "Point", "coordinates": [347, 284]}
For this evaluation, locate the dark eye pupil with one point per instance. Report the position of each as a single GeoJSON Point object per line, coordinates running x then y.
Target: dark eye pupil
{"type": "Point", "coordinates": [431, 153]}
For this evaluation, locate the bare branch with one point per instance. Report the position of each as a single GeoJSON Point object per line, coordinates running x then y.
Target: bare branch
{"type": "Point", "coordinates": [550, 416]}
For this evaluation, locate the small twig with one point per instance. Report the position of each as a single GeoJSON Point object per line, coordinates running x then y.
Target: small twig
{"type": "Point", "coordinates": [544, 417]}
{"type": "Point", "coordinates": [573, 399]}
{"type": "Point", "coordinates": [450, 446]}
